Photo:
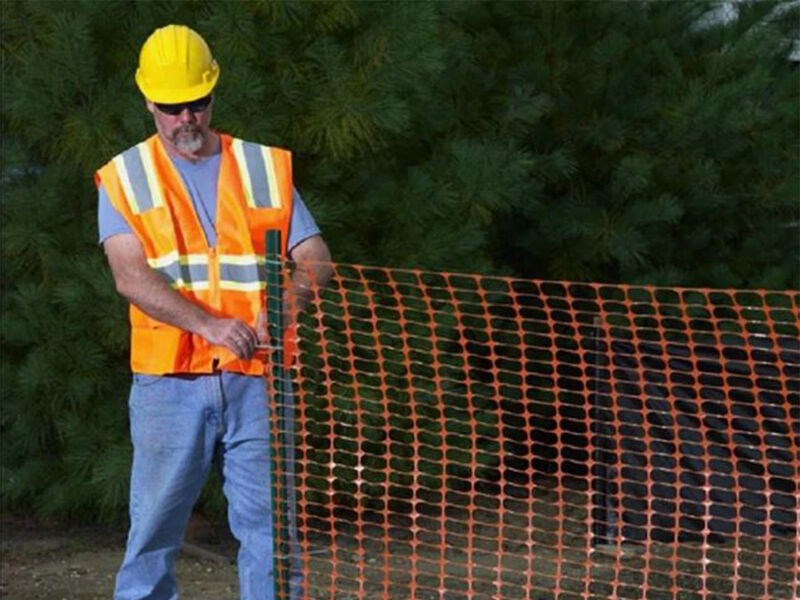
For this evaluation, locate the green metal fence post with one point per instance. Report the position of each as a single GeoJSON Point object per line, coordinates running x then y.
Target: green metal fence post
{"type": "Point", "coordinates": [275, 275]}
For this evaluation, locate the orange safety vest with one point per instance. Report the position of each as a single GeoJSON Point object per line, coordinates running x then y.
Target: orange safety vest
{"type": "Point", "coordinates": [228, 280]}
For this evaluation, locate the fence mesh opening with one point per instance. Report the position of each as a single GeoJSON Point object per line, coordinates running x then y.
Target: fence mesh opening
{"type": "Point", "coordinates": [454, 437]}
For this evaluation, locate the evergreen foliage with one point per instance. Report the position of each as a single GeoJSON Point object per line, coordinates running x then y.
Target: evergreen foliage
{"type": "Point", "coordinates": [577, 140]}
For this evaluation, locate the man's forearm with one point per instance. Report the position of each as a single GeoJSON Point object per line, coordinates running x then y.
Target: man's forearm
{"type": "Point", "coordinates": [307, 280]}
{"type": "Point", "coordinates": [150, 292]}
{"type": "Point", "coordinates": [313, 270]}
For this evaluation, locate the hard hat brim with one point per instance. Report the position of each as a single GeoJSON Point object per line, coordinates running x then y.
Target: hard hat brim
{"type": "Point", "coordinates": [177, 95]}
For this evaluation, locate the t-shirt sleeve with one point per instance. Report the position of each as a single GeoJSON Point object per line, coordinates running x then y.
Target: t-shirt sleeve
{"type": "Point", "coordinates": [302, 225]}
{"type": "Point", "coordinates": [109, 221]}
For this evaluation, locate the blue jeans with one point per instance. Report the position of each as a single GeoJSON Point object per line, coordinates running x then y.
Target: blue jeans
{"type": "Point", "coordinates": [179, 424]}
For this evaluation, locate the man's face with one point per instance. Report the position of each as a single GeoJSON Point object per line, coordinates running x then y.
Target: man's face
{"type": "Point", "coordinates": [187, 131]}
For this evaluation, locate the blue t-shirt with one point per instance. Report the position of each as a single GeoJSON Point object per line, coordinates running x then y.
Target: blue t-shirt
{"type": "Point", "coordinates": [200, 179]}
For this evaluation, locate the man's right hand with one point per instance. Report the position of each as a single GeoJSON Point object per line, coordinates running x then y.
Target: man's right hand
{"type": "Point", "coordinates": [234, 334]}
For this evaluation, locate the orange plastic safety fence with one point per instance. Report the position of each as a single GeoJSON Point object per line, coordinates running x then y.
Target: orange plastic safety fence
{"type": "Point", "coordinates": [458, 437]}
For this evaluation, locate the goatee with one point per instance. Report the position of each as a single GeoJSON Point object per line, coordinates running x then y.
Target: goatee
{"type": "Point", "coordinates": [188, 139]}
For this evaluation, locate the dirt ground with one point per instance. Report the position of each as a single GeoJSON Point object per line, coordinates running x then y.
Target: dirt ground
{"type": "Point", "coordinates": [42, 560]}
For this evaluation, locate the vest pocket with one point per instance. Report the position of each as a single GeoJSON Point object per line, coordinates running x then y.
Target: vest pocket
{"type": "Point", "coordinates": [160, 349]}
{"type": "Point", "coordinates": [156, 218]}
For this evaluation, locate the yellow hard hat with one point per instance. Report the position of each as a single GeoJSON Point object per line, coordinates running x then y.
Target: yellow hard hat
{"type": "Point", "coordinates": [175, 65]}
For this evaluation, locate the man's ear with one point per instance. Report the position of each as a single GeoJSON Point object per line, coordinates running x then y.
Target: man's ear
{"type": "Point", "coordinates": [149, 106]}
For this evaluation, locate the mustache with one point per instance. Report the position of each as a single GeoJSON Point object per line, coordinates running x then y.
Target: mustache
{"type": "Point", "coordinates": [189, 128]}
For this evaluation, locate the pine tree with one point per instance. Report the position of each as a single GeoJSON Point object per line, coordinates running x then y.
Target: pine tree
{"type": "Point", "coordinates": [669, 155]}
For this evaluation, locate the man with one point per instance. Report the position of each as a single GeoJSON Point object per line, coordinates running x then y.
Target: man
{"type": "Point", "coordinates": [182, 218]}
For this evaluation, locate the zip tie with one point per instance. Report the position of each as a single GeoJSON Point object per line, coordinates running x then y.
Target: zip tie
{"type": "Point", "coordinates": [267, 347]}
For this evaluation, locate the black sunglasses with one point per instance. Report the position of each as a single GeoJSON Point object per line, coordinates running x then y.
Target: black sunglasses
{"type": "Point", "coordinates": [194, 106]}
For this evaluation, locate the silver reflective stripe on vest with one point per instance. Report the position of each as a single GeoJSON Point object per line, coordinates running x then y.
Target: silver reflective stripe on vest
{"type": "Point", "coordinates": [257, 172]}
{"type": "Point", "coordinates": [190, 277]}
{"type": "Point", "coordinates": [142, 198]}
{"type": "Point", "coordinates": [138, 176]}
{"type": "Point", "coordinates": [188, 272]}
{"type": "Point", "coordinates": [244, 273]}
